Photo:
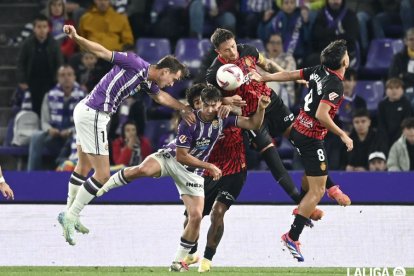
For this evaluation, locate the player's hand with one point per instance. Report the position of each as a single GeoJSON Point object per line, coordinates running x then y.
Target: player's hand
{"type": "Point", "coordinates": [188, 116]}
{"type": "Point", "coordinates": [70, 31]}
{"type": "Point", "coordinates": [235, 100]}
{"type": "Point", "coordinates": [223, 111]}
{"type": "Point", "coordinates": [253, 75]}
{"type": "Point", "coordinates": [348, 142]}
{"type": "Point", "coordinates": [6, 191]}
{"type": "Point", "coordinates": [264, 102]}
{"type": "Point", "coordinates": [214, 171]}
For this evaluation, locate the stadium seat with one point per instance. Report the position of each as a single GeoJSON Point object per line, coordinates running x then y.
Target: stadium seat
{"type": "Point", "coordinates": [380, 54]}
{"type": "Point", "coordinates": [153, 49]}
{"type": "Point", "coordinates": [253, 42]}
{"type": "Point", "coordinates": [372, 92]}
{"type": "Point", "coordinates": [285, 149]}
{"type": "Point", "coordinates": [178, 89]}
{"type": "Point", "coordinates": [190, 51]}
{"type": "Point", "coordinates": [154, 129]}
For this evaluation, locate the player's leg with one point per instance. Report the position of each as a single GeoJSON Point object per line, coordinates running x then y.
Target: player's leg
{"type": "Point", "coordinates": [150, 167]}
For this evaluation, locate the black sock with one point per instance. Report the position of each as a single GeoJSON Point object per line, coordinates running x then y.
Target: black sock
{"type": "Point", "coordinates": [280, 173]}
{"type": "Point", "coordinates": [297, 227]}
{"type": "Point", "coordinates": [209, 253]}
{"type": "Point", "coordinates": [329, 183]}
{"type": "Point", "coordinates": [194, 248]}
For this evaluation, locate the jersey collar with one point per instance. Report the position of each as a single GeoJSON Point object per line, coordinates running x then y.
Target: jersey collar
{"type": "Point", "coordinates": [335, 73]}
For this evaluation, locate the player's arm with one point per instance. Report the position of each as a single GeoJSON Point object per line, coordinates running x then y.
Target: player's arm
{"type": "Point", "coordinates": [255, 121]}
{"type": "Point", "coordinates": [5, 188]}
{"type": "Point", "coordinates": [281, 76]}
{"type": "Point", "coordinates": [90, 46]}
{"type": "Point", "coordinates": [269, 65]}
{"type": "Point", "coordinates": [167, 100]}
{"type": "Point", "coordinates": [183, 156]}
{"type": "Point", "coordinates": [322, 114]}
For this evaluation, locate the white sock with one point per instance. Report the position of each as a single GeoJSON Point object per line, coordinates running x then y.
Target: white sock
{"type": "Point", "coordinates": [75, 182]}
{"type": "Point", "coordinates": [115, 181]}
{"type": "Point", "coordinates": [85, 194]}
{"type": "Point", "coordinates": [183, 250]}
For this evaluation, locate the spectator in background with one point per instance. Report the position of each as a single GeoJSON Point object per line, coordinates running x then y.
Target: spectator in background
{"type": "Point", "coordinates": [334, 22]}
{"type": "Point", "coordinates": [401, 156]}
{"type": "Point", "coordinates": [292, 23]}
{"type": "Point", "coordinates": [56, 12]}
{"type": "Point", "coordinates": [130, 149]}
{"type": "Point", "coordinates": [88, 69]}
{"type": "Point", "coordinates": [386, 18]}
{"type": "Point", "coordinates": [275, 52]}
{"type": "Point", "coordinates": [218, 13]}
{"type": "Point", "coordinates": [167, 137]}
{"type": "Point", "coordinates": [38, 60]}
{"type": "Point", "coordinates": [5, 189]}
{"type": "Point", "coordinates": [402, 66]}
{"type": "Point", "coordinates": [351, 102]}
{"type": "Point", "coordinates": [57, 117]}
{"type": "Point", "coordinates": [393, 110]}
{"type": "Point", "coordinates": [252, 13]}
{"type": "Point", "coordinates": [102, 24]}
{"type": "Point", "coordinates": [377, 162]}
{"type": "Point", "coordinates": [366, 140]}
{"type": "Point", "coordinates": [407, 14]}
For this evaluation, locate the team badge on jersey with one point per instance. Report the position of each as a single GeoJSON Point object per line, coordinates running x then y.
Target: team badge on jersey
{"type": "Point", "coordinates": [182, 139]}
{"type": "Point", "coordinates": [333, 96]}
{"type": "Point", "coordinates": [323, 166]}
{"type": "Point", "coordinates": [215, 124]}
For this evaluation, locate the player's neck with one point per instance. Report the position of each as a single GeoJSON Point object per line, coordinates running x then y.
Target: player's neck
{"type": "Point", "coordinates": [152, 73]}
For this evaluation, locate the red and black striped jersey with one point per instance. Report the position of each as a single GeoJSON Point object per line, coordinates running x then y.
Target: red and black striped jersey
{"type": "Point", "coordinates": [228, 153]}
{"type": "Point", "coordinates": [250, 91]}
{"type": "Point", "coordinates": [325, 86]}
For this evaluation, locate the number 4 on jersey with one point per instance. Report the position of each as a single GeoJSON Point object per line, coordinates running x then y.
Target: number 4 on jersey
{"type": "Point", "coordinates": [308, 100]}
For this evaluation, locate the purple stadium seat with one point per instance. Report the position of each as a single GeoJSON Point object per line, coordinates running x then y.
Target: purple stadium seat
{"type": "Point", "coordinates": [380, 54]}
{"type": "Point", "coordinates": [372, 92]}
{"type": "Point", "coordinates": [253, 42]}
{"type": "Point", "coordinates": [155, 128]}
{"type": "Point", "coordinates": [205, 45]}
{"type": "Point", "coordinates": [190, 51]}
{"type": "Point", "coordinates": [153, 49]}
{"type": "Point", "coordinates": [178, 89]}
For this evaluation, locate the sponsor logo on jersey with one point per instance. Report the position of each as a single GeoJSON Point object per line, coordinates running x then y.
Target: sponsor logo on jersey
{"type": "Point", "coordinates": [215, 124]}
{"type": "Point", "coordinates": [332, 96]}
{"type": "Point", "coordinates": [194, 185]}
{"type": "Point", "coordinates": [203, 144]}
{"type": "Point", "coordinates": [182, 139]}
{"type": "Point", "coordinates": [323, 166]}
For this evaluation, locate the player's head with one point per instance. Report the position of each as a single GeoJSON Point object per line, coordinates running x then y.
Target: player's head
{"type": "Point", "coordinates": [407, 126]}
{"type": "Point", "coordinates": [361, 121]}
{"type": "Point", "coordinates": [211, 100]}
{"type": "Point", "coordinates": [170, 70]}
{"type": "Point", "coordinates": [335, 55]}
{"type": "Point", "coordinates": [224, 43]}
{"type": "Point", "coordinates": [41, 27]}
{"type": "Point", "coordinates": [193, 95]}
{"type": "Point", "coordinates": [394, 89]}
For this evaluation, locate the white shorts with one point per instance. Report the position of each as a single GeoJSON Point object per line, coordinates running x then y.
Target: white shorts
{"type": "Point", "coordinates": [188, 183]}
{"type": "Point", "coordinates": [91, 129]}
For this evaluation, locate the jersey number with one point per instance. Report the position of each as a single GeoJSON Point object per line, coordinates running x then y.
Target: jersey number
{"type": "Point", "coordinates": [308, 101]}
{"type": "Point", "coordinates": [321, 156]}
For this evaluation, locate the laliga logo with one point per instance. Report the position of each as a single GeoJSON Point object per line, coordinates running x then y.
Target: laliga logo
{"type": "Point", "coordinates": [376, 271]}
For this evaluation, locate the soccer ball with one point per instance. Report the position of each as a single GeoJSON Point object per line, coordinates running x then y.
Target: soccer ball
{"type": "Point", "coordinates": [229, 77]}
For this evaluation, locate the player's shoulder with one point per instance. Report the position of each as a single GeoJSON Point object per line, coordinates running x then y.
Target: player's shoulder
{"type": "Point", "coordinates": [247, 50]}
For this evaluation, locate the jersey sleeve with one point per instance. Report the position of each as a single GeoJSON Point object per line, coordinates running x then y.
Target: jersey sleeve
{"type": "Point", "coordinates": [247, 50]}
{"type": "Point", "coordinates": [333, 93]}
{"type": "Point", "coordinates": [127, 61]}
{"type": "Point", "coordinates": [184, 135]}
{"type": "Point", "coordinates": [153, 89]}
{"type": "Point", "coordinates": [230, 121]}
{"type": "Point", "coordinates": [211, 75]}
{"type": "Point", "coordinates": [305, 73]}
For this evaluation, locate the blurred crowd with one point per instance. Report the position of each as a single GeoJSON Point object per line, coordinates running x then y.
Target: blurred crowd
{"type": "Point", "coordinates": [53, 74]}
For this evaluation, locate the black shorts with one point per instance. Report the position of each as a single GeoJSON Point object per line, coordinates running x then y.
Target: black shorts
{"type": "Point", "coordinates": [277, 119]}
{"type": "Point", "coordinates": [225, 190]}
{"type": "Point", "coordinates": [312, 153]}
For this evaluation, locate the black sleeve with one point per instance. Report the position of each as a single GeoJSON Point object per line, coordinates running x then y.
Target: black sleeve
{"type": "Point", "coordinates": [307, 72]}
{"type": "Point", "coordinates": [332, 92]}
{"type": "Point", "coordinates": [212, 72]}
{"type": "Point", "coordinates": [248, 50]}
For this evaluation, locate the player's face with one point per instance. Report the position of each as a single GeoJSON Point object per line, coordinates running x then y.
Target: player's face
{"type": "Point", "coordinates": [394, 93]}
{"type": "Point", "coordinates": [66, 77]}
{"type": "Point", "coordinates": [197, 103]}
{"type": "Point", "coordinates": [361, 124]}
{"type": "Point", "coordinates": [409, 135]}
{"type": "Point", "coordinates": [210, 109]}
{"type": "Point", "coordinates": [167, 78]}
{"type": "Point", "coordinates": [41, 29]}
{"type": "Point", "coordinates": [228, 50]}
{"type": "Point", "coordinates": [345, 60]}
{"type": "Point", "coordinates": [378, 165]}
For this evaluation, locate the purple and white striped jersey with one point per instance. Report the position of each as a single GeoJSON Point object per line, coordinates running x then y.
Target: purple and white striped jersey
{"type": "Point", "coordinates": [124, 79]}
{"type": "Point", "coordinates": [200, 137]}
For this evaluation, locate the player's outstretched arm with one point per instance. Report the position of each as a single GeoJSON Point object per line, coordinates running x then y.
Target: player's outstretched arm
{"type": "Point", "coordinates": [281, 76]}
{"type": "Point", "coordinates": [166, 99]}
{"type": "Point", "coordinates": [185, 158]}
{"type": "Point", "coordinates": [90, 46]}
{"type": "Point", "coordinates": [269, 65]}
{"type": "Point", "coordinates": [255, 121]}
{"type": "Point", "coordinates": [322, 114]}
